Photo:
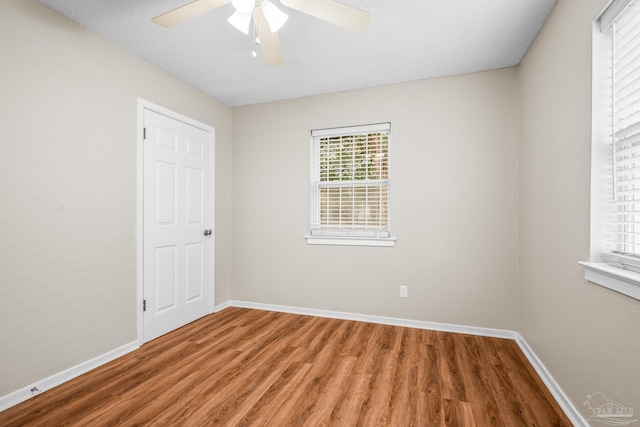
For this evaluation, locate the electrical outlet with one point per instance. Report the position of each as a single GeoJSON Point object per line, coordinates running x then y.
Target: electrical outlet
{"type": "Point", "coordinates": [403, 291]}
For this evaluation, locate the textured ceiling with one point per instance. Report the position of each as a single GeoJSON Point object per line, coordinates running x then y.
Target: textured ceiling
{"type": "Point", "coordinates": [406, 40]}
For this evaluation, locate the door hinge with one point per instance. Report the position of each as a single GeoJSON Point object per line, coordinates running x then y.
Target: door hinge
{"type": "Point", "coordinates": [144, 133]}
{"type": "Point", "coordinates": [144, 305]}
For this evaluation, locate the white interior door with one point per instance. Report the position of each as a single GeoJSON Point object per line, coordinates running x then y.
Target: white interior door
{"type": "Point", "coordinates": [178, 219]}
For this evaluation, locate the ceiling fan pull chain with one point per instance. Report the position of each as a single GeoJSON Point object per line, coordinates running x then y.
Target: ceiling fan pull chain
{"type": "Point", "coordinates": [254, 39]}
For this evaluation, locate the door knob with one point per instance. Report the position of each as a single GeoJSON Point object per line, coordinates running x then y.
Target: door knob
{"type": "Point", "coordinates": [207, 232]}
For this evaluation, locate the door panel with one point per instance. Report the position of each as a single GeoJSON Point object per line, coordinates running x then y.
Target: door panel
{"type": "Point", "coordinates": [194, 147]}
{"type": "Point", "coordinates": [165, 206]}
{"type": "Point", "coordinates": [194, 196]}
{"type": "Point", "coordinates": [177, 209]}
{"type": "Point", "coordinates": [194, 282]}
{"type": "Point", "coordinates": [165, 275]}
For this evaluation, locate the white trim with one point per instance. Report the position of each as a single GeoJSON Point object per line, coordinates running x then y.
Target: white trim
{"type": "Point", "coordinates": [565, 404]}
{"type": "Point", "coordinates": [140, 218]}
{"type": "Point", "coordinates": [617, 279]}
{"type": "Point", "coordinates": [222, 306]}
{"type": "Point", "coordinates": [146, 105]}
{"type": "Point", "coordinates": [600, 131]}
{"type": "Point", "coordinates": [393, 321]}
{"type": "Point", "coordinates": [318, 240]}
{"type": "Point", "coordinates": [212, 253]}
{"type": "Point", "coordinates": [55, 380]}
{"type": "Point", "coordinates": [377, 127]}
{"type": "Point", "coordinates": [611, 12]}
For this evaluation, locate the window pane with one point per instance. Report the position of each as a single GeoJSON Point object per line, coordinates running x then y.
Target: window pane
{"type": "Point", "coordinates": [354, 157]}
{"type": "Point", "coordinates": [623, 216]}
{"type": "Point", "coordinates": [354, 207]}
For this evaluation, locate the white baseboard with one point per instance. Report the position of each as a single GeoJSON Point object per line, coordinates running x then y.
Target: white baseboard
{"type": "Point", "coordinates": [393, 321]}
{"type": "Point", "coordinates": [572, 413]}
{"type": "Point", "coordinates": [25, 393]}
{"type": "Point", "coordinates": [222, 306]}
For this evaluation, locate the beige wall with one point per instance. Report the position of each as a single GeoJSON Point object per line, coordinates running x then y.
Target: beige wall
{"type": "Point", "coordinates": [454, 159]}
{"type": "Point", "coordinates": [467, 200]}
{"type": "Point", "coordinates": [68, 111]}
{"type": "Point", "coordinates": [587, 336]}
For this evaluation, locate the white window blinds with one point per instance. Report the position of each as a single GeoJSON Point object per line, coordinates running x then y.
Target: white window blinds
{"type": "Point", "coordinates": [623, 211]}
{"type": "Point", "coordinates": [350, 185]}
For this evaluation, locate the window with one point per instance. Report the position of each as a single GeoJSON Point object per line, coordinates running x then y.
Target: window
{"type": "Point", "coordinates": [622, 217]}
{"type": "Point", "coordinates": [350, 186]}
{"type": "Point", "coordinates": [615, 175]}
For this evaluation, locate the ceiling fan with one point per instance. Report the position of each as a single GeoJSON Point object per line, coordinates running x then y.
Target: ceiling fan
{"type": "Point", "coordinates": [268, 19]}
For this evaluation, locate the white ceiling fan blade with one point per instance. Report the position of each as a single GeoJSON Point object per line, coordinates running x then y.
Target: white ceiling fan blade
{"type": "Point", "coordinates": [188, 11]}
{"type": "Point", "coordinates": [332, 11]}
{"type": "Point", "coordinates": [241, 21]}
{"type": "Point", "coordinates": [269, 42]}
{"type": "Point", "coordinates": [274, 16]}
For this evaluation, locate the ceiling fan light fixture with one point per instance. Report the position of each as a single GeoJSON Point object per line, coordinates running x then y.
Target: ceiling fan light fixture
{"type": "Point", "coordinates": [244, 6]}
{"type": "Point", "coordinates": [241, 21]}
{"type": "Point", "coordinates": [274, 16]}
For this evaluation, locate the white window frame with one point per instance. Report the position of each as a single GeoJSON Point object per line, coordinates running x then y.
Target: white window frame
{"type": "Point", "coordinates": [609, 269]}
{"type": "Point", "coordinates": [350, 237]}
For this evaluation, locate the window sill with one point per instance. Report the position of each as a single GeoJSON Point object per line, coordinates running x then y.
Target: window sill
{"type": "Point", "coordinates": [342, 241]}
{"type": "Point", "coordinates": [617, 279]}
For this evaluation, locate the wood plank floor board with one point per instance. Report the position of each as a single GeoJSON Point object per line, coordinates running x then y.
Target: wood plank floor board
{"type": "Point", "coordinates": [458, 413]}
{"type": "Point", "coordinates": [327, 368]}
{"type": "Point", "coordinates": [356, 336]}
{"type": "Point", "coordinates": [347, 410]}
{"type": "Point", "coordinates": [431, 380]}
{"type": "Point", "coordinates": [244, 367]}
{"type": "Point", "coordinates": [405, 392]}
{"type": "Point", "coordinates": [282, 390]}
{"type": "Point", "coordinates": [511, 405]}
{"type": "Point", "coordinates": [326, 393]}
{"type": "Point", "coordinates": [476, 382]}
{"type": "Point", "coordinates": [313, 334]}
{"type": "Point", "coordinates": [376, 412]}
{"type": "Point", "coordinates": [368, 349]}
{"type": "Point", "coordinates": [454, 387]}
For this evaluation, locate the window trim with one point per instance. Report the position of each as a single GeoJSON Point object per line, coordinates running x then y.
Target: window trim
{"type": "Point", "coordinates": [353, 240]}
{"type": "Point", "coordinates": [617, 279]}
{"type": "Point", "coordinates": [597, 271]}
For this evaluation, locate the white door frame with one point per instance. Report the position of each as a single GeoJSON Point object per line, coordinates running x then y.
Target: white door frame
{"type": "Point", "coordinates": [146, 105]}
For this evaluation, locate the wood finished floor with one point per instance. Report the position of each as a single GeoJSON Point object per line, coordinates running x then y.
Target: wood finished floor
{"type": "Point", "coordinates": [242, 367]}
